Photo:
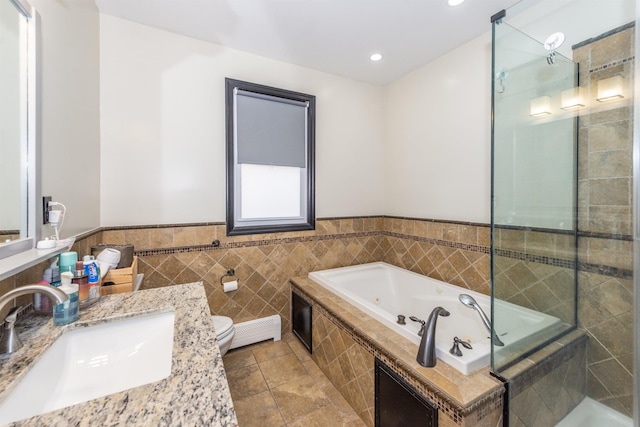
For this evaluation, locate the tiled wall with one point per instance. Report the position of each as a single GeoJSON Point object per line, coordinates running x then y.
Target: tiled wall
{"type": "Point", "coordinates": [6, 235]}
{"type": "Point", "coordinates": [546, 386]}
{"type": "Point", "coordinates": [454, 252]}
{"type": "Point", "coordinates": [348, 366]}
{"type": "Point", "coordinates": [605, 305]}
{"type": "Point", "coordinates": [535, 269]}
{"type": "Point", "coordinates": [168, 255]}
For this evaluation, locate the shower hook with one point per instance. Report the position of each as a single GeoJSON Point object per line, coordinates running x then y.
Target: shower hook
{"type": "Point", "coordinates": [501, 76]}
{"type": "Point", "coordinates": [553, 42]}
{"type": "Point", "coordinates": [551, 59]}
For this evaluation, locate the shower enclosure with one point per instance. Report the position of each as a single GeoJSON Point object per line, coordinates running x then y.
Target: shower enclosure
{"type": "Point", "coordinates": [534, 188]}
{"type": "Point", "coordinates": [562, 209]}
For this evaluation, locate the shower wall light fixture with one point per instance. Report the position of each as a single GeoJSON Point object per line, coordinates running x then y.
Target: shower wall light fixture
{"type": "Point", "coordinates": [572, 99]}
{"type": "Point", "coordinates": [540, 106]}
{"type": "Point", "coordinates": [610, 89]}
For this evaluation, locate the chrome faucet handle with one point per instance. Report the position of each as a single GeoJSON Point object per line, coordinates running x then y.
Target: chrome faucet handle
{"type": "Point", "coordinates": [11, 341]}
{"type": "Point", "coordinates": [422, 323]}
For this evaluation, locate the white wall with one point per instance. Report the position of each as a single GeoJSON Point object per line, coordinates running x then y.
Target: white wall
{"type": "Point", "coordinates": [163, 130]}
{"type": "Point", "coordinates": [69, 115]}
{"type": "Point", "coordinates": [438, 140]}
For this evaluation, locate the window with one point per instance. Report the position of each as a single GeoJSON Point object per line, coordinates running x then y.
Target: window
{"type": "Point", "coordinates": [270, 159]}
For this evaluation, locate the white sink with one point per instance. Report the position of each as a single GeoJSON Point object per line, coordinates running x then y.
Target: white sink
{"type": "Point", "coordinates": [92, 362]}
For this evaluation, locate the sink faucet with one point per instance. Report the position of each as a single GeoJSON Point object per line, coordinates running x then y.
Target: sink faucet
{"type": "Point", "coordinates": [427, 349]}
{"type": "Point", "coordinates": [470, 302]}
{"type": "Point", "coordinates": [10, 341]}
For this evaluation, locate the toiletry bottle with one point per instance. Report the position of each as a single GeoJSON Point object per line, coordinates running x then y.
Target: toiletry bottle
{"type": "Point", "coordinates": [92, 271]}
{"type": "Point", "coordinates": [68, 261]}
{"type": "Point", "coordinates": [41, 303]}
{"type": "Point", "coordinates": [81, 279]}
{"type": "Point", "coordinates": [50, 276]}
{"type": "Point", "coordinates": [67, 312]}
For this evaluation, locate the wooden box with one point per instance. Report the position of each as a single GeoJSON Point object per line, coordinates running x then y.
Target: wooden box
{"type": "Point", "coordinates": [123, 279]}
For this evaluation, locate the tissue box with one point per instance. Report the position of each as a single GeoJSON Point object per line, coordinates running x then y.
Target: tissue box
{"type": "Point", "coordinates": [122, 279]}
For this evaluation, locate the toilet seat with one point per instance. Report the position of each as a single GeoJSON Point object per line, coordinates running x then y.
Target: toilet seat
{"type": "Point", "coordinates": [223, 326]}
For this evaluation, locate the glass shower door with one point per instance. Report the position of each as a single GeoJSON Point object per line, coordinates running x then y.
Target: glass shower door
{"type": "Point", "coordinates": [534, 196]}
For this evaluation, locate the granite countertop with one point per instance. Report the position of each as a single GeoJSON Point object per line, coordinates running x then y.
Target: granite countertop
{"type": "Point", "coordinates": [195, 394]}
{"type": "Point", "coordinates": [464, 392]}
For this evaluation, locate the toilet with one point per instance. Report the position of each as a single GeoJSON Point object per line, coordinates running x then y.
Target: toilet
{"type": "Point", "coordinates": [224, 332]}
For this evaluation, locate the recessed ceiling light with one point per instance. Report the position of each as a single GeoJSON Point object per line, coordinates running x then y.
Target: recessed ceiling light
{"type": "Point", "coordinates": [455, 2]}
{"type": "Point", "coordinates": [375, 57]}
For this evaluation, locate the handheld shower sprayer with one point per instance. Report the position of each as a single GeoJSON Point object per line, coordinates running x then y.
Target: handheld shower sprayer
{"type": "Point", "coordinates": [470, 302]}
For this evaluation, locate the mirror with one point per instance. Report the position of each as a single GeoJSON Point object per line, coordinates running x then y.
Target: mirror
{"type": "Point", "coordinates": [17, 130]}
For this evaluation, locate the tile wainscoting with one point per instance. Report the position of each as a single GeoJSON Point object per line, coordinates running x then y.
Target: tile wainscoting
{"type": "Point", "coordinates": [454, 252]}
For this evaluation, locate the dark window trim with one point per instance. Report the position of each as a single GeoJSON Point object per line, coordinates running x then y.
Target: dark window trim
{"type": "Point", "coordinates": [232, 228]}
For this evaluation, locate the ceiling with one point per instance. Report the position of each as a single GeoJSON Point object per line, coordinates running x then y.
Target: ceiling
{"type": "Point", "coordinates": [334, 36]}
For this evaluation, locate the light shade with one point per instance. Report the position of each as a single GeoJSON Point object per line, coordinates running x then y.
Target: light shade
{"type": "Point", "coordinates": [541, 106]}
{"type": "Point", "coordinates": [455, 2]}
{"type": "Point", "coordinates": [572, 99]}
{"type": "Point", "coordinates": [609, 89]}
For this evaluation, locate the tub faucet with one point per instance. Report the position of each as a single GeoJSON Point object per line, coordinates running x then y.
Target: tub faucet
{"type": "Point", "coordinates": [10, 341]}
{"type": "Point", "coordinates": [422, 324]}
{"type": "Point", "coordinates": [427, 349]}
{"type": "Point", "coordinates": [470, 302]}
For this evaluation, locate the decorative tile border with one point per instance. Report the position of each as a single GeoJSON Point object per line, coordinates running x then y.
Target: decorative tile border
{"type": "Point", "coordinates": [540, 259]}
{"type": "Point", "coordinates": [386, 228]}
{"type": "Point", "coordinates": [613, 64]}
{"type": "Point", "coordinates": [251, 243]}
{"type": "Point", "coordinates": [439, 242]}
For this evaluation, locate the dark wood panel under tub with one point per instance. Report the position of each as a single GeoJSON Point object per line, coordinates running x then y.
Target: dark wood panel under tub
{"type": "Point", "coordinates": [301, 319]}
{"type": "Point", "coordinates": [398, 404]}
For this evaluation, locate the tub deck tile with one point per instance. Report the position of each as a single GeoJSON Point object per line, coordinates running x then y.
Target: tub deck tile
{"type": "Point", "coordinates": [460, 393]}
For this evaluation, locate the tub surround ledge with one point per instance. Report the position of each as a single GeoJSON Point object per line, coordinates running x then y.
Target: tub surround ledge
{"type": "Point", "coordinates": [195, 393]}
{"type": "Point", "coordinates": [464, 399]}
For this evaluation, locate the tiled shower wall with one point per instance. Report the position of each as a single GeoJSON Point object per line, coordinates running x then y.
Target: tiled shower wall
{"type": "Point", "coordinates": [605, 306]}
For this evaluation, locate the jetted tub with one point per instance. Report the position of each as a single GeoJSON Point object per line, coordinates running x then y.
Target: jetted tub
{"type": "Point", "coordinates": [384, 291]}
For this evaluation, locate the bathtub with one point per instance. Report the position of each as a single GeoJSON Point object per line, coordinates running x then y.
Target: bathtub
{"type": "Point", "coordinates": [384, 291]}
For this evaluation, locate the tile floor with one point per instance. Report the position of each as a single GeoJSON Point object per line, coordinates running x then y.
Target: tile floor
{"type": "Point", "coordinates": [278, 384]}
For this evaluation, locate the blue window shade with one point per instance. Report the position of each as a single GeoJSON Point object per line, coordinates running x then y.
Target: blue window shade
{"type": "Point", "coordinates": [270, 130]}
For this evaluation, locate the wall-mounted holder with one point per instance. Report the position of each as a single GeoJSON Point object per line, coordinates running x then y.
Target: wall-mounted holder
{"type": "Point", "coordinates": [231, 285]}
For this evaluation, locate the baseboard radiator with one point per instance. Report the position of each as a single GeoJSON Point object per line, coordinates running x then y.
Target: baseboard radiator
{"type": "Point", "coordinates": [257, 330]}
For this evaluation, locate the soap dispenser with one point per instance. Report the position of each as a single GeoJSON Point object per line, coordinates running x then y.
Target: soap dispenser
{"type": "Point", "coordinates": [67, 312]}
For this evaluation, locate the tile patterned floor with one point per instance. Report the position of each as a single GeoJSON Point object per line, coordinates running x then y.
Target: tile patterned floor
{"type": "Point", "coordinates": [277, 384]}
